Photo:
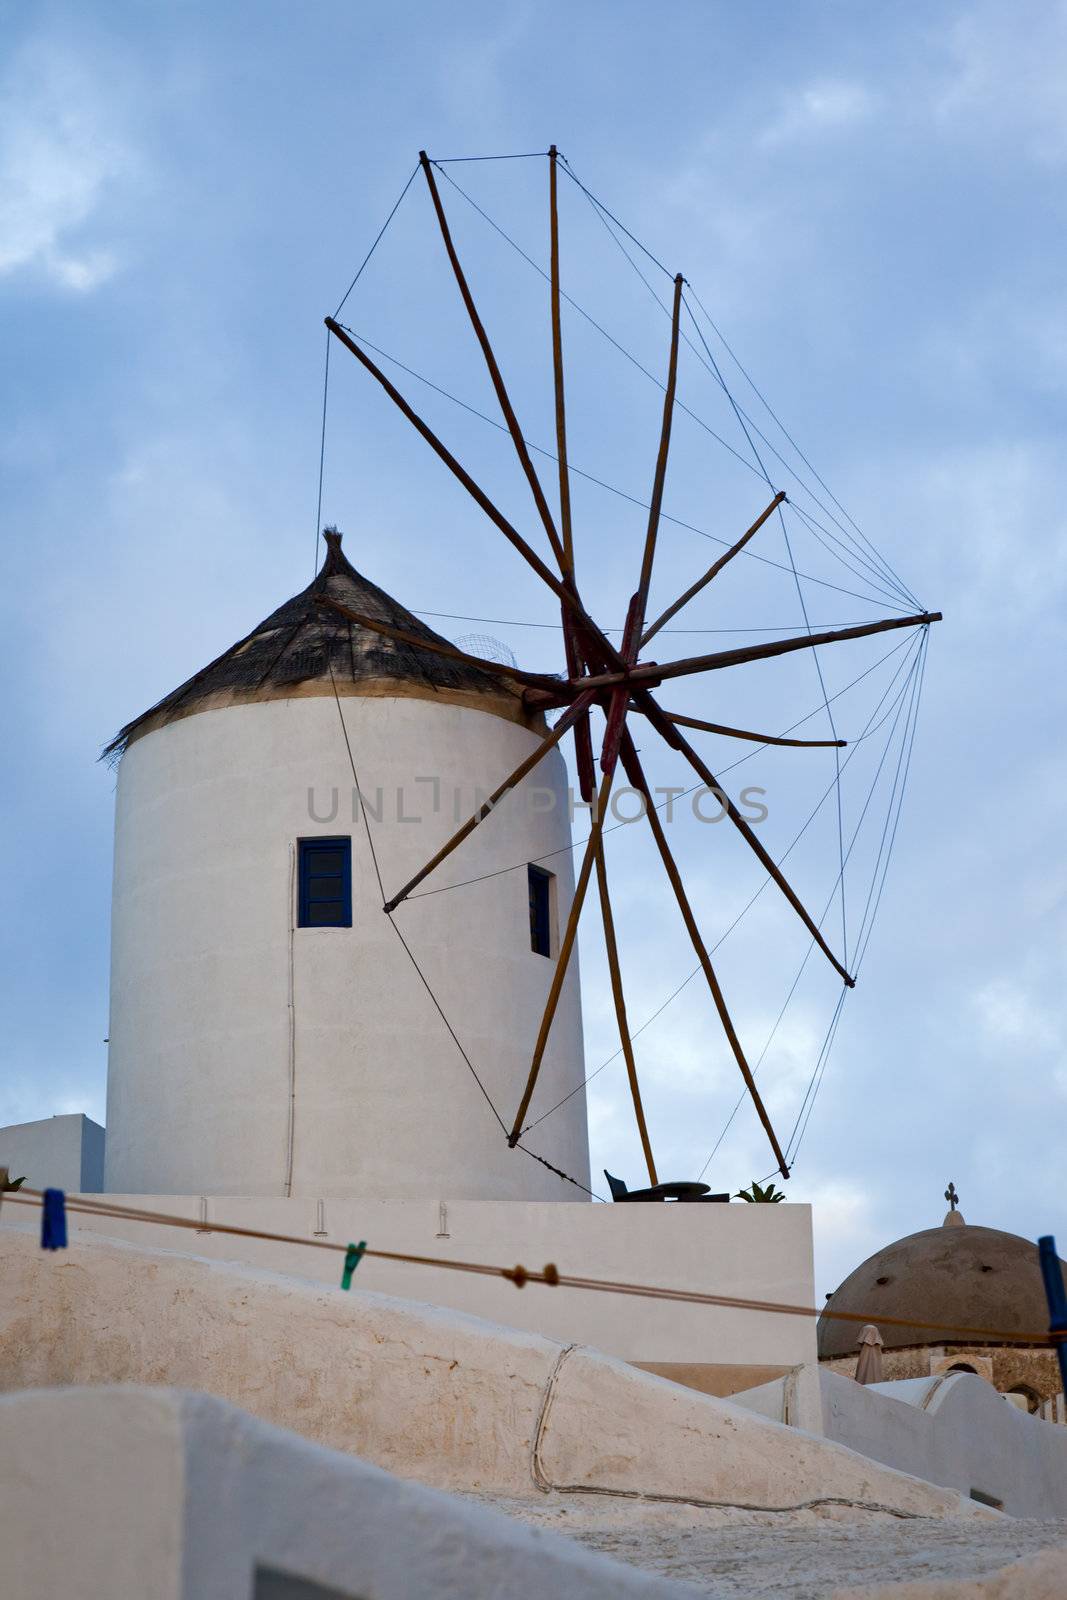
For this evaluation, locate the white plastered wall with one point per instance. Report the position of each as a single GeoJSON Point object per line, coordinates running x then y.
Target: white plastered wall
{"type": "Point", "coordinates": [746, 1252]}
{"type": "Point", "coordinates": [61, 1152]}
{"type": "Point", "coordinates": [204, 1045]}
{"type": "Point", "coordinates": [451, 1400]}
{"type": "Point", "coordinates": [141, 1494]}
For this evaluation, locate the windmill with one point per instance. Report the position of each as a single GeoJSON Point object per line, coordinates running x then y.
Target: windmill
{"type": "Point", "coordinates": [603, 686]}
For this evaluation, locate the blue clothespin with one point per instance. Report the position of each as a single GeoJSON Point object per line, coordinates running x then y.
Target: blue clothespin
{"type": "Point", "coordinates": [353, 1257]}
{"type": "Point", "coordinates": [1052, 1273]}
{"type": "Point", "coordinates": [53, 1220]}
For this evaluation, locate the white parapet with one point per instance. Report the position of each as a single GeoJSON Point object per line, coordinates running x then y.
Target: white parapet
{"type": "Point", "coordinates": [741, 1251]}
{"type": "Point", "coordinates": [143, 1494]}
{"type": "Point", "coordinates": [448, 1399]}
{"type": "Point", "coordinates": [954, 1429]}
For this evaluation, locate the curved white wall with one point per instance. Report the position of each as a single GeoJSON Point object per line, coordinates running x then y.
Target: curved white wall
{"type": "Point", "coordinates": [208, 811]}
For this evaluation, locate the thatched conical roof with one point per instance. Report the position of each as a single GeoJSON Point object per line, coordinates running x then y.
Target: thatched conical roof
{"type": "Point", "coordinates": [292, 652]}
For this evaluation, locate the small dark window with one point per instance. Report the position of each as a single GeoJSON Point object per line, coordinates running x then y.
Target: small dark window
{"type": "Point", "coordinates": [324, 897]}
{"type": "Point", "coordinates": [540, 911]}
{"type": "Point", "coordinates": [273, 1585]}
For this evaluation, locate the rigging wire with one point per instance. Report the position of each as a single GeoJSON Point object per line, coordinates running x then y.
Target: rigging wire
{"type": "Point", "coordinates": [890, 572]}
{"type": "Point", "coordinates": [868, 732]}
{"type": "Point", "coordinates": [749, 380]}
{"type": "Point", "coordinates": [392, 923]}
{"type": "Point", "coordinates": [892, 838]}
{"type": "Point", "coordinates": [606, 214]}
{"type": "Point", "coordinates": [898, 705]}
{"type": "Point", "coordinates": [422, 976]}
{"type": "Point", "coordinates": [877, 578]}
{"type": "Point", "coordinates": [326, 369]}
{"type": "Point", "coordinates": [569, 849]}
{"type": "Point", "coordinates": [679, 405]}
{"type": "Point", "coordinates": [573, 176]}
{"type": "Point", "coordinates": [522, 155]}
{"type": "Point", "coordinates": [807, 624]}
{"type": "Point", "coordinates": [909, 738]}
{"type": "Point", "coordinates": [710, 365]}
{"type": "Point", "coordinates": [833, 734]}
{"type": "Point", "coordinates": [887, 574]}
{"type": "Point", "coordinates": [322, 452]}
{"type": "Point", "coordinates": [601, 483]}
{"type": "Point", "coordinates": [874, 581]}
{"type": "Point", "coordinates": [557, 627]}
{"type": "Point", "coordinates": [377, 242]}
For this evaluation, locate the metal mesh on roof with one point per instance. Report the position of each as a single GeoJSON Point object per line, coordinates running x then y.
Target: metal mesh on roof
{"type": "Point", "coordinates": [301, 641]}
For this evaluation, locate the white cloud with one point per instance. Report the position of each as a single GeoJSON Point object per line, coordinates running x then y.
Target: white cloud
{"type": "Point", "coordinates": [474, 71]}
{"type": "Point", "coordinates": [846, 1228]}
{"type": "Point", "coordinates": [1010, 1015]}
{"type": "Point", "coordinates": [819, 108]}
{"type": "Point", "coordinates": [1008, 68]}
{"type": "Point", "coordinates": [82, 273]}
{"type": "Point", "coordinates": [61, 154]}
{"type": "Point", "coordinates": [1006, 493]}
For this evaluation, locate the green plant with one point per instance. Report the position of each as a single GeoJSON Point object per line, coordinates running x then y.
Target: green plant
{"type": "Point", "coordinates": [760, 1194]}
{"type": "Point", "coordinates": [9, 1185]}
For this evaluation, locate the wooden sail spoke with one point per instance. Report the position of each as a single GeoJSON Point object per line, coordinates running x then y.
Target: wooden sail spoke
{"type": "Point", "coordinates": [524, 768]}
{"type": "Point", "coordinates": [600, 675]}
{"type": "Point", "coordinates": [620, 698]}
{"type": "Point", "coordinates": [563, 958]}
{"type": "Point", "coordinates": [631, 763]}
{"type": "Point", "coordinates": [635, 616]}
{"type": "Point", "coordinates": [557, 370]}
{"type": "Point", "coordinates": [655, 672]}
{"type": "Point", "coordinates": [704, 771]}
{"type": "Point", "coordinates": [620, 1007]}
{"type": "Point", "coordinates": [656, 503]}
{"type": "Point", "coordinates": [782, 647]}
{"type": "Point", "coordinates": [494, 369]}
{"type": "Point", "coordinates": [566, 593]}
{"type": "Point", "coordinates": [583, 758]}
{"type": "Point", "coordinates": [712, 572]}
{"type": "Point", "coordinates": [583, 741]}
{"type": "Point", "coordinates": [743, 733]}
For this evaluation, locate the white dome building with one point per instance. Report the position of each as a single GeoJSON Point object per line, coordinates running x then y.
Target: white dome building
{"type": "Point", "coordinates": [270, 1035]}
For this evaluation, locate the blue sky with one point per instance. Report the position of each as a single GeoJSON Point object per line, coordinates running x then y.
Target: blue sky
{"type": "Point", "coordinates": [870, 203]}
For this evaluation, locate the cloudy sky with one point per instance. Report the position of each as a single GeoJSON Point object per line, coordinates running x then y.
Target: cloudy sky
{"type": "Point", "coordinates": [869, 202]}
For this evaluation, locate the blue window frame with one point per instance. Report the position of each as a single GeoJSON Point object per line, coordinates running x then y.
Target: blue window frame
{"type": "Point", "coordinates": [540, 883]}
{"type": "Point", "coordinates": [324, 877]}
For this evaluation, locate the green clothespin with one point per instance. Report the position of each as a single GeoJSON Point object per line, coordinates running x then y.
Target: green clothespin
{"type": "Point", "coordinates": [353, 1257]}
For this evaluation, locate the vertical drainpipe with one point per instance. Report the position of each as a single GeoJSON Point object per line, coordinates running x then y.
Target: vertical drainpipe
{"type": "Point", "coordinates": [292, 1026]}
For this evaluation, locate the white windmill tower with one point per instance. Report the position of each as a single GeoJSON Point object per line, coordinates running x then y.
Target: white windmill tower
{"type": "Point", "coordinates": [270, 1033]}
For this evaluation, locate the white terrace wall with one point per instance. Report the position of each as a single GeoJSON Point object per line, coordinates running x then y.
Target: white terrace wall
{"type": "Point", "coordinates": [954, 1430]}
{"type": "Point", "coordinates": [451, 1400]}
{"type": "Point", "coordinates": [747, 1252]}
{"type": "Point", "coordinates": [231, 1030]}
{"type": "Point", "coordinates": [157, 1495]}
{"type": "Point", "coordinates": [142, 1494]}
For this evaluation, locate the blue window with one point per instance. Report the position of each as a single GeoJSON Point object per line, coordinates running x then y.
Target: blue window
{"type": "Point", "coordinates": [324, 897]}
{"type": "Point", "coordinates": [540, 910]}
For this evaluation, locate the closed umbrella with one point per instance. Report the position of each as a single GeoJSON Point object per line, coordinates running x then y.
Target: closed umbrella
{"type": "Point", "coordinates": [869, 1365]}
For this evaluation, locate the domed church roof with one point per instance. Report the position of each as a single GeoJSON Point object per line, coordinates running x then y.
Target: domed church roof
{"type": "Point", "coordinates": [956, 1275]}
{"type": "Point", "coordinates": [292, 652]}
